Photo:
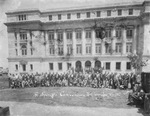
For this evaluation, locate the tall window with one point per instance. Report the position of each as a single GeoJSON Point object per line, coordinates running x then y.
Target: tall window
{"type": "Point", "coordinates": [69, 49]}
{"type": "Point", "coordinates": [16, 66]}
{"type": "Point", "coordinates": [50, 17]}
{"type": "Point", "coordinates": [51, 37]}
{"type": "Point", "coordinates": [128, 66]}
{"type": "Point", "coordinates": [69, 16]}
{"type": "Point", "coordinates": [16, 52]}
{"type": "Point", "coordinates": [118, 65]}
{"type": "Point", "coordinates": [51, 49]}
{"type": "Point", "coordinates": [31, 67]}
{"type": "Point", "coordinates": [78, 34]}
{"type": "Point", "coordinates": [69, 35]}
{"type": "Point", "coordinates": [108, 12]}
{"type": "Point", "coordinates": [24, 67]}
{"type": "Point", "coordinates": [119, 12]}
{"type": "Point", "coordinates": [98, 48]}
{"type": "Point", "coordinates": [108, 48]}
{"type": "Point", "coordinates": [51, 66]}
{"type": "Point", "coordinates": [88, 49]}
{"type": "Point", "coordinates": [108, 33]}
{"type": "Point", "coordinates": [118, 47]}
{"type": "Point", "coordinates": [60, 36]}
{"type": "Point", "coordinates": [107, 65]}
{"type": "Point", "coordinates": [129, 47]}
{"type": "Point", "coordinates": [98, 13]}
{"type": "Point", "coordinates": [118, 33]}
{"type": "Point", "coordinates": [129, 33]}
{"type": "Point", "coordinates": [59, 66]}
{"type": "Point", "coordinates": [31, 51]}
{"type": "Point", "coordinates": [24, 50]}
{"type": "Point", "coordinates": [68, 66]}
{"type": "Point", "coordinates": [22, 17]}
{"type": "Point", "coordinates": [60, 49]}
{"type": "Point", "coordinates": [79, 49]}
{"type": "Point", "coordinates": [130, 11]}
{"type": "Point", "coordinates": [78, 15]}
{"type": "Point", "coordinates": [59, 16]}
{"type": "Point", "coordinates": [88, 34]}
{"type": "Point", "coordinates": [23, 36]}
{"type": "Point", "coordinates": [88, 15]}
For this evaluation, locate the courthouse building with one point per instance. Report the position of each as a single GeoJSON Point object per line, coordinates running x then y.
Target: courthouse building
{"type": "Point", "coordinates": [58, 39]}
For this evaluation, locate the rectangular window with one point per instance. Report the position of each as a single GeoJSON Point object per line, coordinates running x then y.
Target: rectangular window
{"type": "Point", "coordinates": [118, 65]}
{"type": "Point", "coordinates": [31, 67]}
{"type": "Point", "coordinates": [69, 49]}
{"type": "Point", "coordinates": [119, 12]}
{"type": "Point", "coordinates": [108, 48]}
{"type": "Point", "coordinates": [129, 47]}
{"type": "Point", "coordinates": [50, 17]}
{"type": "Point", "coordinates": [16, 66]}
{"type": "Point", "coordinates": [60, 36]}
{"type": "Point", "coordinates": [51, 49]}
{"type": "Point", "coordinates": [98, 13]}
{"type": "Point", "coordinates": [23, 36]}
{"type": "Point", "coordinates": [60, 50]}
{"type": "Point", "coordinates": [69, 35]}
{"type": "Point", "coordinates": [59, 66]}
{"type": "Point", "coordinates": [22, 17]}
{"type": "Point", "coordinates": [88, 15]}
{"type": "Point", "coordinates": [78, 15]}
{"type": "Point", "coordinates": [24, 67]}
{"type": "Point", "coordinates": [128, 66]}
{"type": "Point", "coordinates": [98, 48]}
{"type": "Point", "coordinates": [78, 34]}
{"type": "Point", "coordinates": [107, 65]}
{"type": "Point", "coordinates": [118, 47]}
{"type": "Point", "coordinates": [68, 66]}
{"type": "Point", "coordinates": [108, 33]}
{"type": "Point", "coordinates": [31, 51]}
{"type": "Point", "coordinates": [130, 11]}
{"type": "Point", "coordinates": [118, 33]}
{"type": "Point", "coordinates": [51, 66]}
{"type": "Point", "coordinates": [79, 49]}
{"type": "Point", "coordinates": [108, 12]}
{"type": "Point", "coordinates": [88, 49]}
{"type": "Point", "coordinates": [69, 16]}
{"type": "Point", "coordinates": [129, 33]}
{"type": "Point", "coordinates": [88, 34]}
{"type": "Point", "coordinates": [15, 44]}
{"type": "Point", "coordinates": [59, 16]}
{"type": "Point", "coordinates": [51, 37]}
{"type": "Point", "coordinates": [16, 52]}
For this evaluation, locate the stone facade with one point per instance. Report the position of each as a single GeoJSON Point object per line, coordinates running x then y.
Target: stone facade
{"type": "Point", "coordinates": [34, 47]}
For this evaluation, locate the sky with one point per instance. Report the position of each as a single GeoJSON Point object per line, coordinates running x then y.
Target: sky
{"type": "Point", "coordinates": [8, 5]}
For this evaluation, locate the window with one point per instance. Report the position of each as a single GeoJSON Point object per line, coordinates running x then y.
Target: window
{"type": "Point", "coordinates": [98, 48]}
{"type": "Point", "coordinates": [78, 34]}
{"type": "Point", "coordinates": [107, 65]}
{"type": "Point", "coordinates": [79, 49]}
{"type": "Point", "coordinates": [24, 50]}
{"type": "Point", "coordinates": [60, 36]}
{"type": "Point", "coordinates": [51, 66]}
{"type": "Point", "coordinates": [15, 44]}
{"type": "Point", "coordinates": [129, 33]}
{"type": "Point", "coordinates": [59, 16]}
{"type": "Point", "coordinates": [69, 35]}
{"type": "Point", "coordinates": [59, 66]}
{"type": "Point", "coordinates": [60, 49]}
{"type": "Point", "coordinates": [118, 33]}
{"type": "Point", "coordinates": [130, 11]}
{"type": "Point", "coordinates": [98, 13]}
{"type": "Point", "coordinates": [50, 18]}
{"type": "Point", "coordinates": [128, 66]}
{"type": "Point", "coordinates": [118, 65]}
{"type": "Point", "coordinates": [119, 12]}
{"type": "Point", "coordinates": [51, 37]}
{"type": "Point", "coordinates": [78, 15]}
{"type": "Point", "coordinates": [31, 43]}
{"type": "Point", "coordinates": [88, 49]}
{"type": "Point", "coordinates": [16, 52]}
{"type": "Point", "coordinates": [68, 66]}
{"type": "Point", "coordinates": [129, 47]}
{"type": "Point", "coordinates": [118, 47]}
{"type": "Point", "coordinates": [108, 33]}
{"type": "Point", "coordinates": [88, 34]}
{"type": "Point", "coordinates": [23, 36]}
{"type": "Point", "coordinates": [108, 48]}
{"type": "Point", "coordinates": [69, 49]}
{"type": "Point", "coordinates": [16, 66]}
{"type": "Point", "coordinates": [51, 50]}
{"type": "Point", "coordinates": [31, 51]}
{"type": "Point", "coordinates": [88, 14]}
{"type": "Point", "coordinates": [68, 16]}
{"type": "Point", "coordinates": [31, 67]}
{"type": "Point", "coordinates": [108, 12]}
{"type": "Point", "coordinates": [24, 67]}
{"type": "Point", "coordinates": [22, 17]}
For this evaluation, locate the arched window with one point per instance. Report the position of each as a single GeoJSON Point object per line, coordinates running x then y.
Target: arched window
{"type": "Point", "coordinates": [97, 64]}
{"type": "Point", "coordinates": [87, 64]}
{"type": "Point", "coordinates": [78, 64]}
{"type": "Point", "coordinates": [24, 50]}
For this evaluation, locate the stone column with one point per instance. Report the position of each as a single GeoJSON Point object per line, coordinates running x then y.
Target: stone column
{"type": "Point", "coordinates": [93, 42]}
{"type": "Point", "coordinates": [47, 44]}
{"type": "Point", "coordinates": [28, 44]}
{"type": "Point", "coordinates": [55, 43]}
{"type": "Point", "coordinates": [74, 43]}
{"type": "Point", "coordinates": [83, 43]}
{"type": "Point", "coordinates": [113, 40]}
{"type": "Point", "coordinates": [64, 42]}
{"type": "Point", "coordinates": [103, 46]}
{"type": "Point", "coordinates": [134, 40]}
{"type": "Point", "coordinates": [124, 42]}
{"type": "Point", "coordinates": [18, 44]}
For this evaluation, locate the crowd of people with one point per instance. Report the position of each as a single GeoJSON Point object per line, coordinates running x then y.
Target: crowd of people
{"type": "Point", "coordinates": [95, 80]}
